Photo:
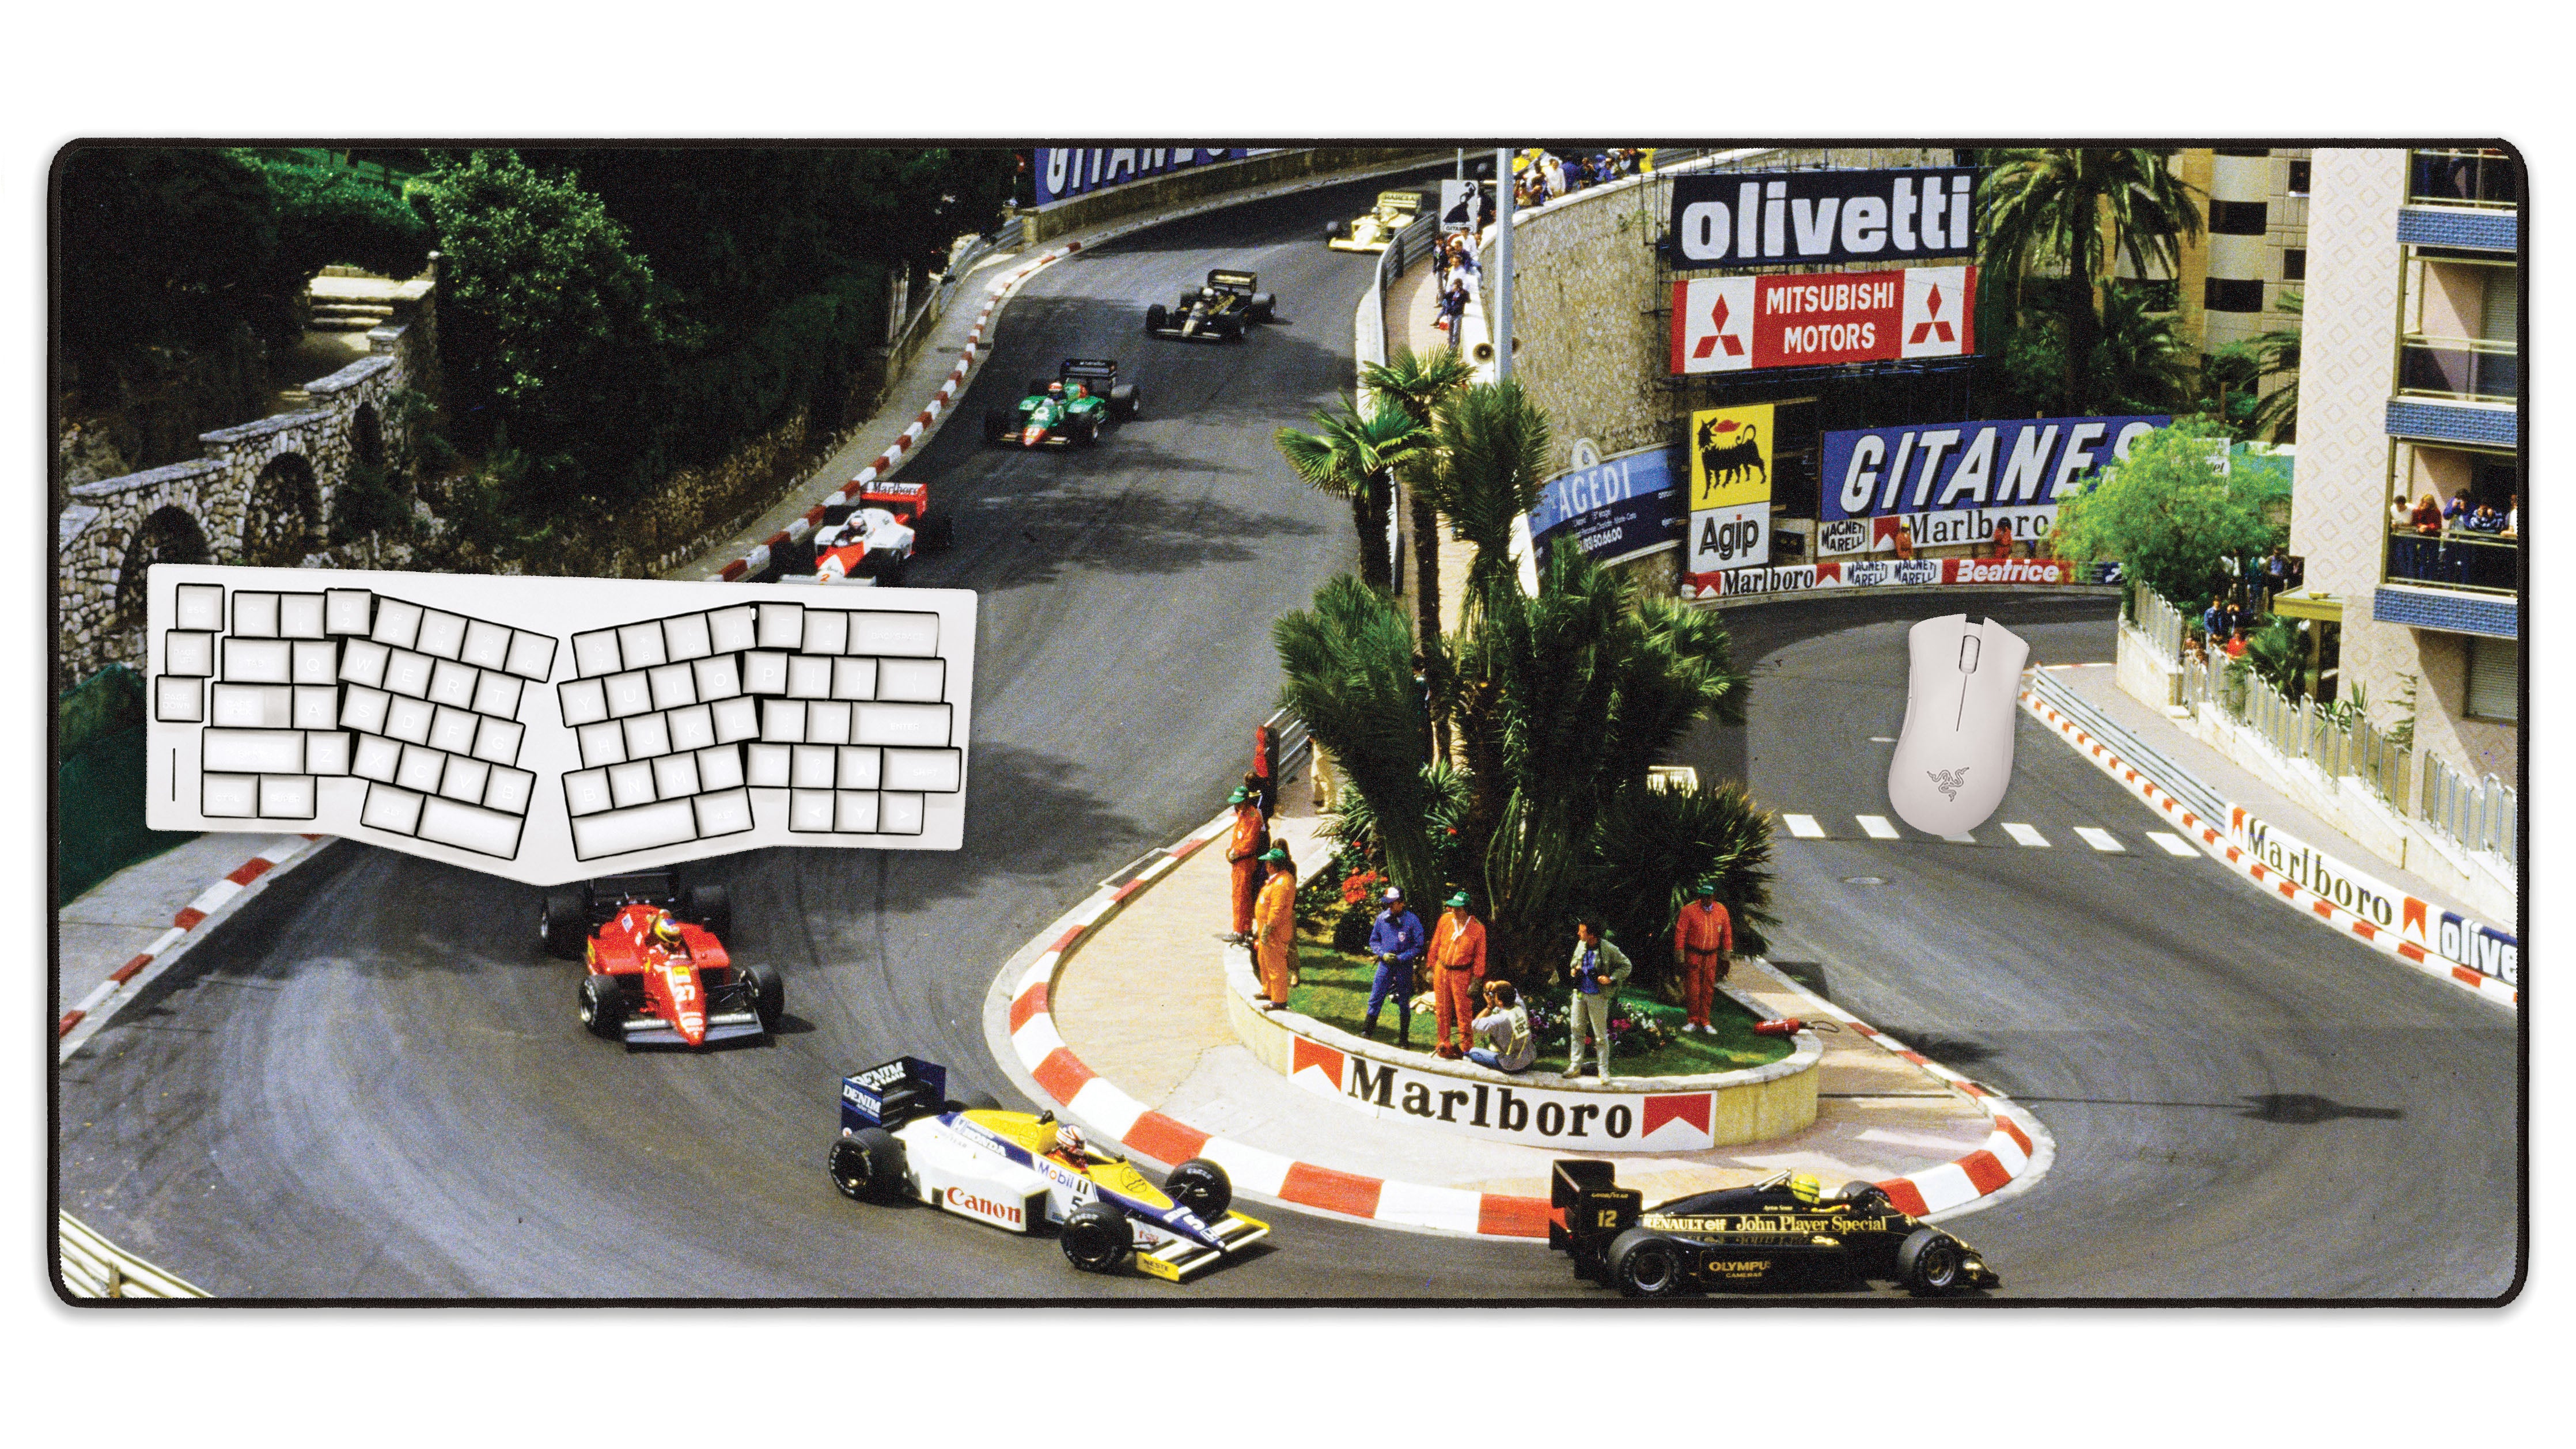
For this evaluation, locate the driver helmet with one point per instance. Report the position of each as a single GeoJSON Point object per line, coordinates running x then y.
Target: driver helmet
{"type": "Point", "coordinates": [1804, 1188]}
{"type": "Point", "coordinates": [1068, 1141]}
{"type": "Point", "coordinates": [666, 933]}
{"type": "Point", "coordinates": [1055, 389]}
{"type": "Point", "coordinates": [1208, 293]}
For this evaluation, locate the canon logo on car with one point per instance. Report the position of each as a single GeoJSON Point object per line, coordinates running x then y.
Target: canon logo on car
{"type": "Point", "coordinates": [1768, 217]}
{"type": "Point", "coordinates": [975, 1205]}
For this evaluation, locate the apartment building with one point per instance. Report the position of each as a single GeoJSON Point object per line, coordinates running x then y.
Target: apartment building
{"type": "Point", "coordinates": [2411, 386]}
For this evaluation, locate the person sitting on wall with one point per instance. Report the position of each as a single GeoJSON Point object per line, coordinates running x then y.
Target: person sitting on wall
{"type": "Point", "coordinates": [1502, 1035]}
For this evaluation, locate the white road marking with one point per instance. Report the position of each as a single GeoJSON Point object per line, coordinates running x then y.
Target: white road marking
{"type": "Point", "coordinates": [2101, 839]}
{"type": "Point", "coordinates": [1960, 839]}
{"type": "Point", "coordinates": [2024, 835]}
{"type": "Point", "coordinates": [1804, 827]}
{"type": "Point", "coordinates": [1878, 827]}
{"type": "Point", "coordinates": [2171, 844]}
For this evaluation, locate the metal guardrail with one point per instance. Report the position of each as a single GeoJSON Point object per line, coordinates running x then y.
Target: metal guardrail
{"type": "Point", "coordinates": [2482, 816]}
{"type": "Point", "coordinates": [93, 1267]}
{"type": "Point", "coordinates": [2169, 775]}
{"type": "Point", "coordinates": [2160, 621]}
{"type": "Point", "coordinates": [1007, 237]}
{"type": "Point", "coordinates": [1292, 745]}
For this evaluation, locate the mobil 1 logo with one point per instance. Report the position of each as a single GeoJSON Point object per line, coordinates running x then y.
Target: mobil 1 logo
{"type": "Point", "coordinates": [1730, 538]}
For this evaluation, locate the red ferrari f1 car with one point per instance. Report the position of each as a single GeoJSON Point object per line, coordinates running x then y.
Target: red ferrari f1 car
{"type": "Point", "coordinates": [659, 973]}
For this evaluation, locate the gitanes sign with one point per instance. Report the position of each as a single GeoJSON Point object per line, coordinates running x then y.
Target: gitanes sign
{"type": "Point", "coordinates": [1809, 319]}
{"type": "Point", "coordinates": [1767, 218]}
{"type": "Point", "coordinates": [1613, 508]}
{"type": "Point", "coordinates": [1065, 172]}
{"type": "Point", "coordinates": [1510, 1112]}
{"type": "Point", "coordinates": [1948, 467]}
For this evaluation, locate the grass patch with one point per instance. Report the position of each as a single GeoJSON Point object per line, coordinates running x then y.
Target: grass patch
{"type": "Point", "coordinates": [1334, 988]}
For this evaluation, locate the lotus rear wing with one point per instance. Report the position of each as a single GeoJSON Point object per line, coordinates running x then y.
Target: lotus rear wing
{"type": "Point", "coordinates": [1586, 1207]}
{"type": "Point", "coordinates": [1224, 280]}
{"type": "Point", "coordinates": [892, 1093]}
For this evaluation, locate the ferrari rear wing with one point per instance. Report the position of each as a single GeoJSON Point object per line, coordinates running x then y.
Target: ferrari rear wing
{"type": "Point", "coordinates": [1180, 1260]}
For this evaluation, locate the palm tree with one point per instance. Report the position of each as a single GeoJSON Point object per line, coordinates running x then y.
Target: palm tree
{"type": "Point", "coordinates": [1420, 385]}
{"type": "Point", "coordinates": [2077, 208]}
{"type": "Point", "coordinates": [2276, 354]}
{"type": "Point", "coordinates": [1349, 666]}
{"type": "Point", "coordinates": [1493, 449]}
{"type": "Point", "coordinates": [1351, 456]}
{"type": "Point", "coordinates": [2139, 365]}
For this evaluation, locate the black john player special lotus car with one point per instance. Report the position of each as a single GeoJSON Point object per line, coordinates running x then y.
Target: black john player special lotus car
{"type": "Point", "coordinates": [1769, 1235]}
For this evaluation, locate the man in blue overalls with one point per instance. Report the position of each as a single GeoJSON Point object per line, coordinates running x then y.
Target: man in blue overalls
{"type": "Point", "coordinates": [1396, 940]}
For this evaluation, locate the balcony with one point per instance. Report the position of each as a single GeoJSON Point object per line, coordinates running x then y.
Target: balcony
{"type": "Point", "coordinates": [2481, 179]}
{"type": "Point", "coordinates": [2458, 369]}
{"type": "Point", "coordinates": [2481, 563]}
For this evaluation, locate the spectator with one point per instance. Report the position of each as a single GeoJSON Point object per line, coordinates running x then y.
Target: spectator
{"type": "Point", "coordinates": [2214, 619]}
{"type": "Point", "coordinates": [1596, 973]}
{"type": "Point", "coordinates": [1243, 853]}
{"type": "Point", "coordinates": [2427, 517]}
{"type": "Point", "coordinates": [1457, 970]}
{"type": "Point", "coordinates": [2513, 516]}
{"type": "Point", "coordinates": [2455, 512]}
{"type": "Point", "coordinates": [2228, 565]}
{"type": "Point", "coordinates": [1274, 925]}
{"type": "Point", "coordinates": [1453, 310]}
{"type": "Point", "coordinates": [1502, 1034]}
{"type": "Point", "coordinates": [2485, 520]}
{"type": "Point", "coordinates": [1904, 540]}
{"type": "Point", "coordinates": [2276, 575]}
{"type": "Point", "coordinates": [1703, 934]}
{"type": "Point", "coordinates": [1396, 940]}
{"type": "Point", "coordinates": [2191, 646]}
{"type": "Point", "coordinates": [2003, 539]}
{"type": "Point", "coordinates": [2236, 645]}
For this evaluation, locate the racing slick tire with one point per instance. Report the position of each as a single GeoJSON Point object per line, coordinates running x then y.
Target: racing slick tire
{"type": "Point", "coordinates": [1929, 1263]}
{"type": "Point", "coordinates": [563, 923]}
{"type": "Point", "coordinates": [1202, 1187]}
{"type": "Point", "coordinates": [710, 906]}
{"type": "Point", "coordinates": [768, 995]}
{"type": "Point", "coordinates": [934, 532]}
{"type": "Point", "coordinates": [1336, 230]}
{"type": "Point", "coordinates": [890, 573]}
{"type": "Point", "coordinates": [1868, 1197]}
{"type": "Point", "coordinates": [1263, 303]}
{"type": "Point", "coordinates": [1123, 401]}
{"type": "Point", "coordinates": [1645, 1264]}
{"type": "Point", "coordinates": [998, 425]}
{"type": "Point", "coordinates": [1086, 432]}
{"type": "Point", "coordinates": [602, 1007]}
{"type": "Point", "coordinates": [867, 1165]}
{"type": "Point", "coordinates": [1096, 1238]}
{"type": "Point", "coordinates": [793, 557]}
{"type": "Point", "coordinates": [1156, 319]}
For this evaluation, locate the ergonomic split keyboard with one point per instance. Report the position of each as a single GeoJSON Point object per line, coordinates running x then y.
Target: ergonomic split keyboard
{"type": "Point", "coordinates": [411, 710]}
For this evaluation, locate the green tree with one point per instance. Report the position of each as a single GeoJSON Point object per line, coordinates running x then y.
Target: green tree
{"type": "Point", "coordinates": [331, 216]}
{"type": "Point", "coordinates": [1493, 448]}
{"type": "Point", "coordinates": [1351, 457]}
{"type": "Point", "coordinates": [2139, 365]}
{"type": "Point", "coordinates": [2169, 516]}
{"type": "Point", "coordinates": [1655, 846]}
{"type": "Point", "coordinates": [548, 310]}
{"type": "Point", "coordinates": [1349, 665]}
{"type": "Point", "coordinates": [2074, 210]}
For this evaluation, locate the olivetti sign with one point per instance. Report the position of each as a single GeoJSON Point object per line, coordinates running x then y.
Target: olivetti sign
{"type": "Point", "coordinates": [1779, 218]}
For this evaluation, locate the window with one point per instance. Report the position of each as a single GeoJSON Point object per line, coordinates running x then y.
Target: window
{"type": "Point", "coordinates": [2221, 294]}
{"type": "Point", "coordinates": [2495, 678]}
{"type": "Point", "coordinates": [2503, 303]}
{"type": "Point", "coordinates": [2294, 264]}
{"type": "Point", "coordinates": [2237, 218]}
{"type": "Point", "coordinates": [2299, 178]}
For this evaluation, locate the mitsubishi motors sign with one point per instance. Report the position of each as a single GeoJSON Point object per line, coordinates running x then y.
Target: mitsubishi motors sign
{"type": "Point", "coordinates": [1737, 324]}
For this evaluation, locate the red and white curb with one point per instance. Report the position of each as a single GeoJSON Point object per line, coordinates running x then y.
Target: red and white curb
{"type": "Point", "coordinates": [2018, 1150]}
{"type": "Point", "coordinates": [2211, 836]}
{"type": "Point", "coordinates": [998, 293]}
{"type": "Point", "coordinates": [209, 901]}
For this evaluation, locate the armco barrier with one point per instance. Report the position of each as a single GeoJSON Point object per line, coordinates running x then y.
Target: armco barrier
{"type": "Point", "coordinates": [2210, 834]}
{"type": "Point", "coordinates": [93, 1267]}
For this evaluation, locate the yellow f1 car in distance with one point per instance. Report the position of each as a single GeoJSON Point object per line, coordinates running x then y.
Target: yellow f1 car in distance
{"type": "Point", "coordinates": [1394, 212]}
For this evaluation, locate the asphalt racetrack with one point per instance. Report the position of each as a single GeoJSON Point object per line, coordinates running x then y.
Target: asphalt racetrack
{"type": "Point", "coordinates": [374, 1087]}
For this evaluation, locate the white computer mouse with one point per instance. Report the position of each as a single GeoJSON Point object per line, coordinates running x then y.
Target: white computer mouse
{"type": "Point", "coordinates": [1955, 754]}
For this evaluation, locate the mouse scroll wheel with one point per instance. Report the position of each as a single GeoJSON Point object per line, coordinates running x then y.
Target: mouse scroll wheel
{"type": "Point", "coordinates": [1968, 654]}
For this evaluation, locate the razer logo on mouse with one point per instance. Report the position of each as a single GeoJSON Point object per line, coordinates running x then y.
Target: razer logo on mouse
{"type": "Point", "coordinates": [1949, 781]}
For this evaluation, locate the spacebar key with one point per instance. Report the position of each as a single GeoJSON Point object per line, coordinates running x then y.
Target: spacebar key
{"type": "Point", "coordinates": [614, 832]}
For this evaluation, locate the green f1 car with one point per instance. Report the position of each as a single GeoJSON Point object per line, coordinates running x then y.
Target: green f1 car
{"type": "Point", "coordinates": [1067, 410]}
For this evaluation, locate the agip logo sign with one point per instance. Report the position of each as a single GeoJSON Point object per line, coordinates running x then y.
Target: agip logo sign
{"type": "Point", "coordinates": [1730, 456]}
